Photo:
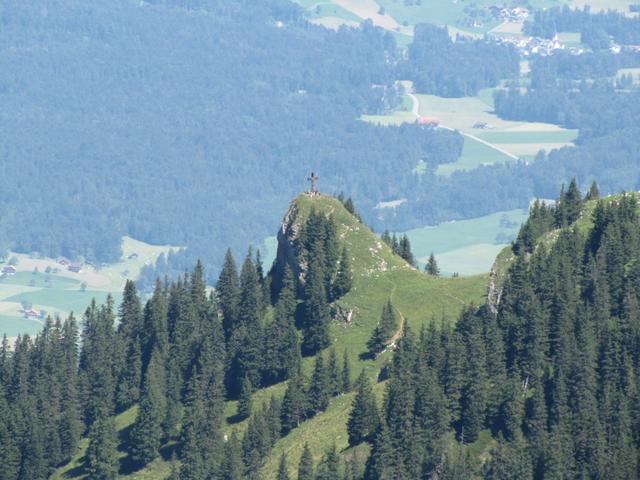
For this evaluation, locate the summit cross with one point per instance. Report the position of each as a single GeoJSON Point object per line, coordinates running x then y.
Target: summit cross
{"type": "Point", "coordinates": [314, 180]}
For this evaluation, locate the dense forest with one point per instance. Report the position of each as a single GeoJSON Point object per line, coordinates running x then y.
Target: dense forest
{"type": "Point", "coordinates": [179, 356]}
{"type": "Point", "coordinates": [169, 120]}
{"type": "Point", "coordinates": [153, 118]}
{"type": "Point", "coordinates": [441, 66]}
{"type": "Point", "coordinates": [596, 29]}
{"type": "Point", "coordinates": [550, 374]}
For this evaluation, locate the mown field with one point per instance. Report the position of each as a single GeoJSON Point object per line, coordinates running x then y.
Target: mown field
{"type": "Point", "coordinates": [467, 247]}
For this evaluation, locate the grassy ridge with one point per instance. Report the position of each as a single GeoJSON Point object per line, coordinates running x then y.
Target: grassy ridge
{"type": "Point", "coordinates": [378, 275]}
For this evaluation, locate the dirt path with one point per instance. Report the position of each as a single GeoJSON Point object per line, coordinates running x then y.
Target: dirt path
{"type": "Point", "coordinates": [415, 109]}
{"type": "Point", "coordinates": [396, 336]}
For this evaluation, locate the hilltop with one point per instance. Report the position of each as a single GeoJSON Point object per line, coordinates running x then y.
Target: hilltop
{"type": "Point", "coordinates": [378, 276]}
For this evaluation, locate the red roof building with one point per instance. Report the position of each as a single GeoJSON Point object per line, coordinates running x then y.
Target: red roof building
{"type": "Point", "coordinates": [429, 121]}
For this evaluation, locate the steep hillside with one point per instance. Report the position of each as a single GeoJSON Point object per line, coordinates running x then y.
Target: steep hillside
{"type": "Point", "coordinates": [378, 276]}
{"type": "Point", "coordinates": [507, 257]}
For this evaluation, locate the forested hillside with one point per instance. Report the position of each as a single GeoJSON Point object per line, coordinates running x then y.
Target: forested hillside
{"type": "Point", "coordinates": [158, 386]}
{"type": "Point", "coordinates": [167, 120]}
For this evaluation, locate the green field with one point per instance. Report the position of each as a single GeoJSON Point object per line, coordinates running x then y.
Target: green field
{"type": "Point", "coordinates": [511, 137]}
{"type": "Point", "coordinates": [60, 291]}
{"type": "Point", "coordinates": [474, 154]}
{"type": "Point", "coordinates": [467, 246]}
{"type": "Point", "coordinates": [634, 72]}
{"type": "Point", "coordinates": [319, 11]}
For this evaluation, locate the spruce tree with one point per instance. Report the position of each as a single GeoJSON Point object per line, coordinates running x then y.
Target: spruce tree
{"type": "Point", "coordinates": [102, 455]}
{"type": "Point", "coordinates": [385, 329]}
{"type": "Point", "coordinates": [228, 291]}
{"type": "Point", "coordinates": [283, 471]}
{"type": "Point", "coordinates": [431, 268]}
{"type": "Point", "coordinates": [244, 402]}
{"type": "Point", "coordinates": [294, 403]}
{"type": "Point", "coordinates": [130, 348]}
{"type": "Point", "coordinates": [305, 466]}
{"type": "Point", "coordinates": [282, 345]}
{"type": "Point", "coordinates": [147, 434]}
{"type": "Point", "coordinates": [328, 469]}
{"type": "Point", "coordinates": [593, 193]}
{"type": "Point", "coordinates": [345, 375]}
{"type": "Point", "coordinates": [232, 467]}
{"type": "Point", "coordinates": [344, 279]}
{"type": "Point", "coordinates": [319, 388]}
{"type": "Point", "coordinates": [405, 251]}
{"type": "Point", "coordinates": [363, 420]}
{"type": "Point", "coordinates": [334, 375]}
{"type": "Point", "coordinates": [317, 316]}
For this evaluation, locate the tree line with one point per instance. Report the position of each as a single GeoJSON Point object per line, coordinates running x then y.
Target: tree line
{"type": "Point", "coordinates": [551, 377]}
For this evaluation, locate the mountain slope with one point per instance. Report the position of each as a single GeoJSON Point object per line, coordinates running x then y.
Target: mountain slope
{"type": "Point", "coordinates": [378, 276]}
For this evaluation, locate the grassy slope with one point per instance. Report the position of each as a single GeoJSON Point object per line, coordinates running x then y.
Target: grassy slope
{"type": "Point", "coordinates": [378, 276]}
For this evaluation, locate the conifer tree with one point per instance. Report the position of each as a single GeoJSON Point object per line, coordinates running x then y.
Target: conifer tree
{"type": "Point", "coordinates": [383, 459]}
{"type": "Point", "coordinates": [147, 434]}
{"type": "Point", "coordinates": [593, 193]}
{"type": "Point", "coordinates": [344, 280]}
{"type": "Point", "coordinates": [319, 388]}
{"type": "Point", "coordinates": [232, 467]}
{"type": "Point", "coordinates": [283, 471]}
{"type": "Point", "coordinates": [328, 469]}
{"type": "Point", "coordinates": [431, 268]}
{"type": "Point", "coordinates": [102, 455]}
{"type": "Point", "coordinates": [71, 426]}
{"type": "Point", "coordinates": [305, 466]}
{"type": "Point", "coordinates": [345, 374]}
{"type": "Point", "coordinates": [244, 402]}
{"type": "Point", "coordinates": [130, 348]}
{"type": "Point", "coordinates": [294, 403]}
{"type": "Point", "coordinates": [282, 346]}
{"type": "Point", "coordinates": [317, 317]}
{"type": "Point", "coordinates": [404, 250]}
{"type": "Point", "coordinates": [333, 374]}
{"type": "Point", "coordinates": [363, 420]}
{"type": "Point", "coordinates": [384, 330]}
{"type": "Point", "coordinates": [228, 291]}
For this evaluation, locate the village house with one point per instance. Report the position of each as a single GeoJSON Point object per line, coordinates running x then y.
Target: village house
{"type": "Point", "coordinates": [75, 267]}
{"type": "Point", "coordinates": [429, 122]}
{"type": "Point", "coordinates": [9, 270]}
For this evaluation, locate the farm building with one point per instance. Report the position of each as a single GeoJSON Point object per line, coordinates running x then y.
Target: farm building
{"type": "Point", "coordinates": [75, 267]}
{"type": "Point", "coordinates": [133, 256]}
{"type": "Point", "coordinates": [64, 261]}
{"type": "Point", "coordinates": [9, 270]}
{"type": "Point", "coordinates": [429, 121]}
{"type": "Point", "coordinates": [482, 126]}
{"type": "Point", "coordinates": [31, 313]}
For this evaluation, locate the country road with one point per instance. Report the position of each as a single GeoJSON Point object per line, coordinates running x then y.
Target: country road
{"type": "Point", "coordinates": [415, 109]}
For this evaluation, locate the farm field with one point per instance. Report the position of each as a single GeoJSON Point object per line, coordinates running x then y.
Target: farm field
{"type": "Point", "coordinates": [44, 285]}
{"type": "Point", "coordinates": [467, 247]}
{"type": "Point", "coordinates": [634, 72]}
{"type": "Point", "coordinates": [400, 16]}
{"type": "Point", "coordinates": [504, 139]}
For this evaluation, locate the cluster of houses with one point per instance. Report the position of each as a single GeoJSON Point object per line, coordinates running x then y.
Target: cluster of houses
{"type": "Point", "coordinates": [544, 47]}
{"type": "Point", "coordinates": [515, 14]}
{"type": "Point", "coordinates": [75, 267]}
